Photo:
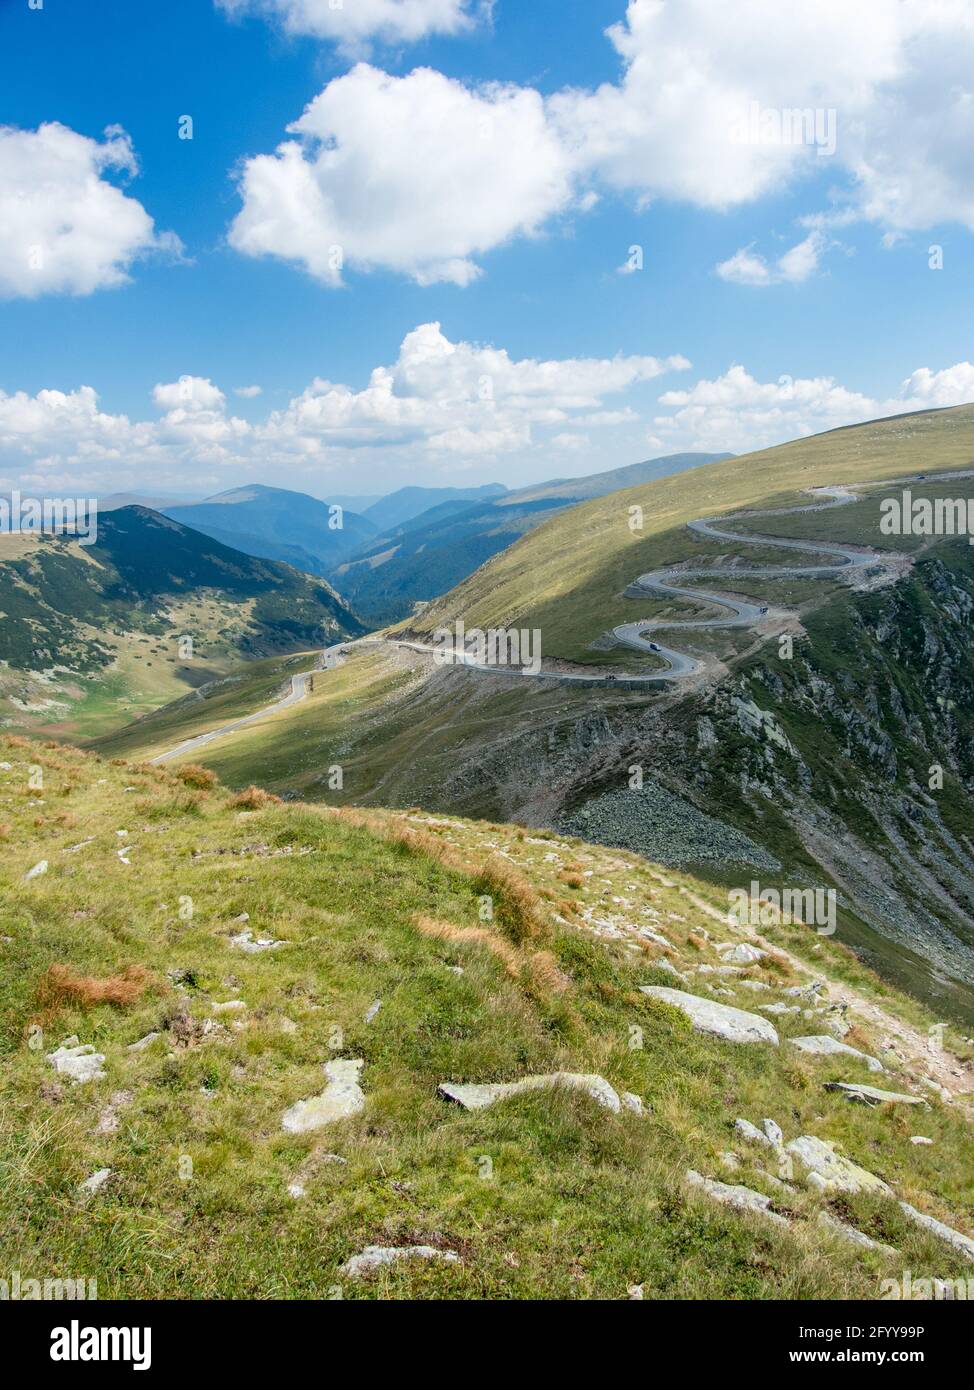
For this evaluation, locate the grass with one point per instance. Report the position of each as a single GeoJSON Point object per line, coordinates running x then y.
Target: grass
{"type": "Point", "coordinates": [574, 1202]}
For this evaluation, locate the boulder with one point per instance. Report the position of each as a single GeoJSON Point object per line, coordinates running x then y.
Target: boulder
{"type": "Point", "coordinates": [476, 1096]}
{"type": "Point", "coordinates": [341, 1098]}
{"type": "Point", "coordinates": [832, 1171]}
{"type": "Point", "coordinates": [871, 1095]}
{"type": "Point", "coordinates": [80, 1063]}
{"type": "Point", "coordinates": [964, 1245]}
{"type": "Point", "coordinates": [826, 1045]}
{"type": "Point", "coordinates": [730, 1195]}
{"type": "Point", "coordinates": [721, 1020]}
{"type": "Point", "coordinates": [851, 1234]}
{"type": "Point", "coordinates": [375, 1257]}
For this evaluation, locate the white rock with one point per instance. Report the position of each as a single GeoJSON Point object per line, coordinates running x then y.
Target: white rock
{"type": "Point", "coordinates": [754, 984]}
{"type": "Point", "coordinates": [870, 1095]}
{"type": "Point", "coordinates": [246, 941]}
{"type": "Point", "coordinates": [342, 1097]}
{"type": "Point", "coordinates": [635, 1293]}
{"type": "Point", "coordinates": [296, 1190]}
{"type": "Point", "coordinates": [474, 1096]}
{"type": "Point", "coordinates": [95, 1182]}
{"type": "Point", "coordinates": [729, 1159]}
{"type": "Point", "coordinates": [751, 1133]}
{"type": "Point", "coordinates": [741, 1198]}
{"type": "Point", "coordinates": [375, 1257]}
{"type": "Point", "coordinates": [632, 1102]}
{"type": "Point", "coordinates": [723, 1021]}
{"type": "Point", "coordinates": [80, 1063]}
{"type": "Point", "coordinates": [37, 870]}
{"type": "Point", "coordinates": [851, 1234]}
{"type": "Point", "coordinates": [231, 1006]}
{"type": "Point", "coordinates": [73, 849]}
{"type": "Point", "coordinates": [742, 954]}
{"type": "Point", "coordinates": [961, 1243]}
{"type": "Point", "coordinates": [773, 1132]}
{"type": "Point", "coordinates": [826, 1045]}
{"type": "Point", "coordinates": [143, 1043]}
{"type": "Point", "coordinates": [920, 1139]}
{"type": "Point", "coordinates": [372, 1010]}
{"type": "Point", "coordinates": [778, 1009]}
{"type": "Point", "coordinates": [835, 1172]}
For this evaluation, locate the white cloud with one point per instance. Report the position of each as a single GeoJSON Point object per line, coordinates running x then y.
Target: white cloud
{"type": "Point", "coordinates": [353, 25]}
{"type": "Point", "coordinates": [63, 227]}
{"type": "Point", "coordinates": [423, 176]}
{"type": "Point", "coordinates": [739, 413]}
{"type": "Point", "coordinates": [417, 174]}
{"type": "Point", "coordinates": [746, 267]}
{"type": "Point", "coordinates": [247, 392]}
{"type": "Point", "coordinates": [438, 400]}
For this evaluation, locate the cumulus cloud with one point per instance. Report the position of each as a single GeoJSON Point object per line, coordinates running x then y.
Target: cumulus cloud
{"type": "Point", "coordinates": [353, 26]}
{"type": "Point", "coordinates": [740, 413]}
{"type": "Point", "coordinates": [64, 228]}
{"type": "Point", "coordinates": [714, 106]}
{"type": "Point", "coordinates": [746, 267]}
{"type": "Point", "coordinates": [439, 399]}
{"type": "Point", "coordinates": [247, 392]}
{"type": "Point", "coordinates": [417, 174]}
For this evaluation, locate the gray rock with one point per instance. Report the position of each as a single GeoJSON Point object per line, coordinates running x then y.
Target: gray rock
{"type": "Point", "coordinates": [751, 1133]}
{"type": "Point", "coordinates": [632, 1102]}
{"type": "Point", "coordinates": [37, 870]}
{"type": "Point", "coordinates": [871, 1095]}
{"type": "Point", "coordinates": [833, 1171]}
{"type": "Point", "coordinates": [920, 1139]}
{"type": "Point", "coordinates": [246, 941]}
{"type": "Point", "coordinates": [826, 1045]}
{"type": "Point", "coordinates": [97, 1181]}
{"type": "Point", "coordinates": [964, 1245]}
{"type": "Point", "coordinates": [721, 1020]}
{"type": "Point", "coordinates": [849, 1233]}
{"type": "Point", "coordinates": [80, 1063]}
{"type": "Point", "coordinates": [341, 1098]}
{"type": "Point", "coordinates": [741, 1198]}
{"type": "Point", "coordinates": [372, 1010]}
{"type": "Point", "coordinates": [742, 954]}
{"type": "Point", "coordinates": [375, 1257]}
{"type": "Point", "coordinates": [474, 1096]}
{"type": "Point", "coordinates": [143, 1043]}
{"type": "Point", "coordinates": [773, 1132]}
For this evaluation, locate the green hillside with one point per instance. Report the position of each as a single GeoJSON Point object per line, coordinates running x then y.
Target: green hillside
{"type": "Point", "coordinates": [206, 957]}
{"type": "Point", "coordinates": [92, 635]}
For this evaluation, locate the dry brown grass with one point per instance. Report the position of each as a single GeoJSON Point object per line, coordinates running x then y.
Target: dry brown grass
{"type": "Point", "coordinates": [521, 909]}
{"type": "Point", "coordinates": [253, 799]}
{"type": "Point", "coordinates": [196, 775]}
{"type": "Point", "coordinates": [476, 936]}
{"type": "Point", "coordinates": [572, 879]}
{"type": "Point", "coordinates": [61, 986]}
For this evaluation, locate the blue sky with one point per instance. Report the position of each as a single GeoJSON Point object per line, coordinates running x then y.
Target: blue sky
{"type": "Point", "coordinates": [858, 320]}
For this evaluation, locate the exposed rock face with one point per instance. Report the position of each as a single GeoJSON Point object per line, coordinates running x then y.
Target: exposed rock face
{"type": "Point", "coordinates": [730, 1195]}
{"type": "Point", "coordinates": [871, 1095]}
{"type": "Point", "coordinates": [80, 1063]}
{"type": "Point", "coordinates": [833, 1171]}
{"type": "Point", "coordinates": [722, 1020]}
{"type": "Point", "coordinates": [825, 1044]}
{"type": "Point", "coordinates": [849, 1233]}
{"type": "Point", "coordinates": [375, 1257]}
{"type": "Point", "coordinates": [961, 1243]}
{"type": "Point", "coordinates": [342, 1097]}
{"type": "Point", "coordinates": [473, 1096]}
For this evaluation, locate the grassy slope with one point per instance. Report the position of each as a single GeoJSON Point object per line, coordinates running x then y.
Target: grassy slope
{"type": "Point", "coordinates": [581, 1203]}
{"type": "Point", "coordinates": [567, 577]}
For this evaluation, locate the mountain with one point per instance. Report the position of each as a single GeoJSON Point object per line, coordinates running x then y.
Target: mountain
{"type": "Point", "coordinates": [407, 502]}
{"type": "Point", "coordinates": [640, 1156]}
{"type": "Point", "coordinates": [430, 553]}
{"type": "Point", "coordinates": [277, 524]}
{"type": "Point", "coordinates": [91, 634]}
{"type": "Point", "coordinates": [840, 760]}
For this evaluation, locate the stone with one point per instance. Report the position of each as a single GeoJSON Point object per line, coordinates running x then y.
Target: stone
{"type": "Point", "coordinates": [108, 1119]}
{"type": "Point", "coordinates": [871, 1095]}
{"type": "Point", "coordinates": [37, 870]}
{"type": "Point", "coordinates": [341, 1098]}
{"type": "Point", "coordinates": [669, 967]}
{"type": "Point", "coordinates": [920, 1139]}
{"type": "Point", "coordinates": [778, 1009]}
{"type": "Point", "coordinates": [741, 1198]}
{"type": "Point", "coordinates": [372, 1010]}
{"type": "Point", "coordinates": [375, 1257]}
{"type": "Point", "coordinates": [729, 1159]}
{"type": "Point", "coordinates": [474, 1096]}
{"type": "Point", "coordinates": [143, 1043]}
{"type": "Point", "coordinates": [742, 954]}
{"type": "Point", "coordinates": [231, 1006]}
{"type": "Point", "coordinates": [721, 1020]}
{"type": "Point", "coordinates": [80, 1063]}
{"type": "Point", "coordinates": [964, 1245]}
{"type": "Point", "coordinates": [849, 1233]}
{"type": "Point", "coordinates": [754, 985]}
{"type": "Point", "coordinates": [825, 1045]}
{"type": "Point", "coordinates": [246, 941]}
{"type": "Point", "coordinates": [632, 1102]}
{"type": "Point", "coordinates": [751, 1133]}
{"type": "Point", "coordinates": [97, 1181]}
{"type": "Point", "coordinates": [834, 1172]}
{"type": "Point", "coordinates": [773, 1133]}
